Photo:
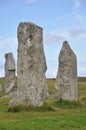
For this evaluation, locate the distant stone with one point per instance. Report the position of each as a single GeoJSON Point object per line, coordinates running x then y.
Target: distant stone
{"type": "Point", "coordinates": [66, 82]}
{"type": "Point", "coordinates": [32, 87]}
{"type": "Point", "coordinates": [1, 90]}
{"type": "Point", "coordinates": [10, 80]}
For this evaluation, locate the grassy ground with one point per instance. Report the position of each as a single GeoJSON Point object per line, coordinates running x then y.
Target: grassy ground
{"type": "Point", "coordinates": [67, 116]}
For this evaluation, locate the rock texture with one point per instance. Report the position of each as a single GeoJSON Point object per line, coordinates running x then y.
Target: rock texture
{"type": "Point", "coordinates": [32, 88]}
{"type": "Point", "coordinates": [10, 80]}
{"type": "Point", "coordinates": [66, 82]}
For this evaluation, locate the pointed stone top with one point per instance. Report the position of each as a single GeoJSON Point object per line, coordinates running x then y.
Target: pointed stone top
{"type": "Point", "coordinates": [66, 45]}
{"type": "Point", "coordinates": [65, 42]}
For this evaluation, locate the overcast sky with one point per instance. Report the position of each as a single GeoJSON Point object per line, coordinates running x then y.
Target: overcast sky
{"type": "Point", "coordinates": [60, 19]}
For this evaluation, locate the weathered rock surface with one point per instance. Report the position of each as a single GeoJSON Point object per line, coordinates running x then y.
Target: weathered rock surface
{"type": "Point", "coordinates": [10, 80]}
{"type": "Point", "coordinates": [32, 88]}
{"type": "Point", "coordinates": [66, 82]}
{"type": "Point", "coordinates": [0, 90]}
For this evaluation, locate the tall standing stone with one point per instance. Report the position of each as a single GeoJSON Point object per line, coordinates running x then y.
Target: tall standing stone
{"type": "Point", "coordinates": [10, 80]}
{"type": "Point", "coordinates": [32, 88]}
{"type": "Point", "coordinates": [66, 82]}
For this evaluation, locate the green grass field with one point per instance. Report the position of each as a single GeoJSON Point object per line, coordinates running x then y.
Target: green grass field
{"type": "Point", "coordinates": [66, 115]}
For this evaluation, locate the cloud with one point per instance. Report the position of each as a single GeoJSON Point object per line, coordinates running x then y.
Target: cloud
{"type": "Point", "coordinates": [52, 38]}
{"type": "Point", "coordinates": [77, 3]}
{"type": "Point", "coordinates": [82, 67]}
{"type": "Point", "coordinates": [77, 13]}
{"type": "Point", "coordinates": [51, 72]}
{"type": "Point", "coordinates": [30, 1]}
{"type": "Point", "coordinates": [1, 66]}
{"type": "Point", "coordinates": [81, 19]}
{"type": "Point", "coordinates": [78, 33]}
{"type": "Point", "coordinates": [1, 69]}
{"type": "Point", "coordinates": [8, 44]}
{"type": "Point", "coordinates": [74, 33]}
{"type": "Point", "coordinates": [8, 41]}
{"type": "Point", "coordinates": [66, 35]}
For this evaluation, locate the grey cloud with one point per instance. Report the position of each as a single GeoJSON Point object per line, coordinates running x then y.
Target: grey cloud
{"type": "Point", "coordinates": [77, 33]}
{"type": "Point", "coordinates": [52, 38]}
{"type": "Point", "coordinates": [74, 33]}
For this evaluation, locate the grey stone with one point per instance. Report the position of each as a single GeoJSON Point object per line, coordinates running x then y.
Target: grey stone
{"type": "Point", "coordinates": [32, 87]}
{"type": "Point", "coordinates": [66, 82]}
{"type": "Point", "coordinates": [10, 79]}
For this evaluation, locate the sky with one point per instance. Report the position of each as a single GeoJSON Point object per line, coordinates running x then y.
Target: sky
{"type": "Point", "coordinates": [60, 19]}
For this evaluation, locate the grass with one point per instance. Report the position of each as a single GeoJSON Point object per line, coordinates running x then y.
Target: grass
{"type": "Point", "coordinates": [67, 115]}
{"type": "Point", "coordinates": [68, 104]}
{"type": "Point", "coordinates": [2, 82]}
{"type": "Point", "coordinates": [45, 124]}
{"type": "Point", "coordinates": [21, 108]}
{"type": "Point", "coordinates": [51, 84]}
{"type": "Point", "coordinates": [82, 89]}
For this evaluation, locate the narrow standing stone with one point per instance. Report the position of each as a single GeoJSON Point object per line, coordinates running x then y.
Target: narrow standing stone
{"type": "Point", "coordinates": [10, 80]}
{"type": "Point", "coordinates": [66, 82]}
{"type": "Point", "coordinates": [32, 88]}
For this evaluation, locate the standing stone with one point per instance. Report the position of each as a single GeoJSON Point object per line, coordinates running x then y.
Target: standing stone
{"type": "Point", "coordinates": [32, 88]}
{"type": "Point", "coordinates": [0, 90]}
{"type": "Point", "coordinates": [10, 80]}
{"type": "Point", "coordinates": [66, 82]}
